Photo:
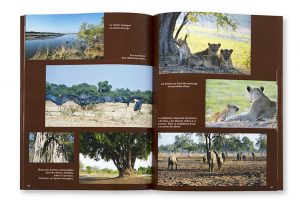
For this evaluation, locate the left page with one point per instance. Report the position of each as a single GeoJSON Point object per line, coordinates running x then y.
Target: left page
{"type": "Point", "coordinates": [86, 101]}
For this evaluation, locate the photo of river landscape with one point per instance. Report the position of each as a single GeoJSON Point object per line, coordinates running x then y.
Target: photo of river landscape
{"type": "Point", "coordinates": [76, 36]}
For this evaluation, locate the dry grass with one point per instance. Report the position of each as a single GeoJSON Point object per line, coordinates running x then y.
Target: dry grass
{"type": "Point", "coordinates": [113, 179]}
{"type": "Point", "coordinates": [100, 115]}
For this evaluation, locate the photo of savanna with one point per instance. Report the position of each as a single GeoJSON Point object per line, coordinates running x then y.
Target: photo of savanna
{"type": "Point", "coordinates": [64, 36]}
{"type": "Point", "coordinates": [51, 147]}
{"type": "Point", "coordinates": [98, 96]}
{"type": "Point", "coordinates": [212, 159]}
{"type": "Point", "coordinates": [205, 42]}
{"type": "Point", "coordinates": [115, 158]}
{"type": "Point", "coordinates": [240, 104]}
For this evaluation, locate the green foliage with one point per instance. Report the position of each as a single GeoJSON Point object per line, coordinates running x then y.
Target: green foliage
{"type": "Point", "coordinates": [103, 89]}
{"type": "Point", "coordinates": [220, 142]}
{"type": "Point", "coordinates": [104, 86]}
{"type": "Point", "coordinates": [88, 169]}
{"type": "Point", "coordinates": [222, 20]}
{"type": "Point", "coordinates": [261, 143]}
{"type": "Point", "coordinates": [219, 93]}
{"type": "Point", "coordinates": [184, 142]}
{"type": "Point", "coordinates": [92, 34]}
{"type": "Point", "coordinates": [116, 147]}
{"type": "Point", "coordinates": [145, 170]}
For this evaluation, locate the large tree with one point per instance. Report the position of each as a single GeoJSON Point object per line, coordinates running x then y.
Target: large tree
{"type": "Point", "coordinates": [168, 21]}
{"type": "Point", "coordinates": [123, 149]}
{"type": "Point", "coordinates": [51, 147]}
{"type": "Point", "coordinates": [261, 143]}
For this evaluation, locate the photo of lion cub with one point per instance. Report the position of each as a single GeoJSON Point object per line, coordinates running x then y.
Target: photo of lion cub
{"type": "Point", "coordinates": [229, 110]}
{"type": "Point", "coordinates": [254, 106]}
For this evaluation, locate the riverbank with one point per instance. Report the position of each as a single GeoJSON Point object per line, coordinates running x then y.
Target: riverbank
{"type": "Point", "coordinates": [41, 35]}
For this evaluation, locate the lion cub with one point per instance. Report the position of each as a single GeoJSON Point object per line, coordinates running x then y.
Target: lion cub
{"type": "Point", "coordinates": [230, 110]}
{"type": "Point", "coordinates": [225, 59]}
{"type": "Point", "coordinates": [211, 50]}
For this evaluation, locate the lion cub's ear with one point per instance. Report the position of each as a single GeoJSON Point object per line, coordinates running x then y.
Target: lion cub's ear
{"type": "Point", "coordinates": [262, 88]}
{"type": "Point", "coordinates": [221, 50]}
{"type": "Point", "coordinates": [209, 44]}
{"type": "Point", "coordinates": [231, 50]}
{"type": "Point", "coordinates": [248, 88]}
{"type": "Point", "coordinates": [219, 44]}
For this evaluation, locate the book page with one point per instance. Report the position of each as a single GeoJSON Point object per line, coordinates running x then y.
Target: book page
{"type": "Point", "coordinates": [218, 101]}
{"type": "Point", "coordinates": [86, 101]}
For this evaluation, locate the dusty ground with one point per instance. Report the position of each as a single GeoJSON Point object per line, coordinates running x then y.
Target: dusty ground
{"type": "Point", "coordinates": [113, 179]}
{"type": "Point", "coordinates": [100, 115]}
{"type": "Point", "coordinates": [168, 65]}
{"type": "Point", "coordinates": [269, 124]}
{"type": "Point", "coordinates": [193, 172]}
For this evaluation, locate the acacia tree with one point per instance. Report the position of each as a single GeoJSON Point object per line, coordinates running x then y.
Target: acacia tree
{"type": "Point", "coordinates": [261, 143]}
{"type": "Point", "coordinates": [121, 148]}
{"type": "Point", "coordinates": [184, 142]}
{"type": "Point", "coordinates": [167, 43]}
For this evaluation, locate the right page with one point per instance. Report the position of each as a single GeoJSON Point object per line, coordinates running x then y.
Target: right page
{"type": "Point", "coordinates": [218, 101]}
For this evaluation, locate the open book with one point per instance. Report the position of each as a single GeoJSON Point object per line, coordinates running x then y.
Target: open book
{"type": "Point", "coordinates": [175, 101]}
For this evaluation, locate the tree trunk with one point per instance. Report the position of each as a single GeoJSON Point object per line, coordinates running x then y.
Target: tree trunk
{"type": "Point", "coordinates": [47, 149]}
{"type": "Point", "coordinates": [167, 43]}
{"type": "Point", "coordinates": [185, 20]}
{"type": "Point", "coordinates": [126, 171]}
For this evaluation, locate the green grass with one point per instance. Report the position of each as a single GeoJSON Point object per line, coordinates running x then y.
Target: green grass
{"type": "Point", "coordinates": [220, 92]}
{"type": "Point", "coordinates": [199, 38]}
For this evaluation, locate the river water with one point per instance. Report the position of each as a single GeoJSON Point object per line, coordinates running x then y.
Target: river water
{"type": "Point", "coordinates": [32, 46]}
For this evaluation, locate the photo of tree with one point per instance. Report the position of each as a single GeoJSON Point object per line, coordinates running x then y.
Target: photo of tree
{"type": "Point", "coordinates": [115, 158]}
{"type": "Point", "coordinates": [212, 159]}
{"type": "Point", "coordinates": [51, 147]}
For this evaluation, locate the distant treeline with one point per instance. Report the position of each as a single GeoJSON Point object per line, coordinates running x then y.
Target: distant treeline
{"type": "Point", "coordinates": [221, 142]}
{"type": "Point", "coordinates": [103, 89]}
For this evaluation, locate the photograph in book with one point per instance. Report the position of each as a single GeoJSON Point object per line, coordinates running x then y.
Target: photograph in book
{"type": "Point", "coordinates": [64, 36]}
{"type": "Point", "coordinates": [212, 159]}
{"type": "Point", "coordinates": [240, 104]}
{"type": "Point", "coordinates": [115, 158]}
{"type": "Point", "coordinates": [205, 42]}
{"type": "Point", "coordinates": [51, 147]}
{"type": "Point", "coordinates": [98, 96]}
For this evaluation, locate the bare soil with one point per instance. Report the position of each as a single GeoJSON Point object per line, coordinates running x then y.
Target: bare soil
{"type": "Point", "coordinates": [170, 64]}
{"type": "Point", "coordinates": [113, 179]}
{"type": "Point", "coordinates": [269, 124]}
{"type": "Point", "coordinates": [193, 172]}
{"type": "Point", "coordinates": [101, 115]}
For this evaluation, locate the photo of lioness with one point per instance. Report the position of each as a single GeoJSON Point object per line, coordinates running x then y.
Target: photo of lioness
{"type": "Point", "coordinates": [253, 104]}
{"type": "Point", "coordinates": [201, 42]}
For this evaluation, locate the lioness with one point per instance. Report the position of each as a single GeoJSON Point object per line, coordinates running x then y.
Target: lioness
{"type": "Point", "coordinates": [211, 50]}
{"type": "Point", "coordinates": [229, 110]}
{"type": "Point", "coordinates": [262, 107]}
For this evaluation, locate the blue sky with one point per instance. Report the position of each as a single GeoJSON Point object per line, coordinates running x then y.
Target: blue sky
{"type": "Point", "coordinates": [133, 77]}
{"type": "Point", "coordinates": [169, 138]}
{"type": "Point", "coordinates": [60, 23]}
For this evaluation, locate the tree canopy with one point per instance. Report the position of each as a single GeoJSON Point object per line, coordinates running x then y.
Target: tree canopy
{"type": "Point", "coordinates": [103, 89]}
{"type": "Point", "coordinates": [217, 141]}
{"type": "Point", "coordinates": [121, 148]}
